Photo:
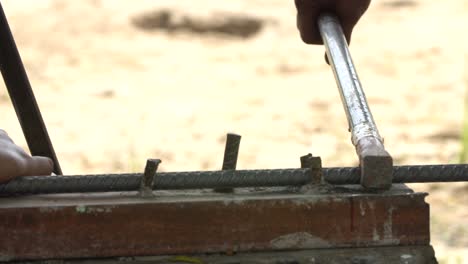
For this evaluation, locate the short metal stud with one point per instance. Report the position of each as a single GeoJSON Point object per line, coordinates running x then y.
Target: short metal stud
{"type": "Point", "coordinates": [147, 180]}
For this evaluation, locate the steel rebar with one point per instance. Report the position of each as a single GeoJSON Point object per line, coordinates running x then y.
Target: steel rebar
{"type": "Point", "coordinates": [403, 174]}
{"type": "Point", "coordinates": [217, 179]}
{"type": "Point", "coordinates": [163, 181]}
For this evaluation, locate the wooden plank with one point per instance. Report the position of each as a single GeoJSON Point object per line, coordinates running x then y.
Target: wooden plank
{"type": "Point", "coordinates": [122, 224]}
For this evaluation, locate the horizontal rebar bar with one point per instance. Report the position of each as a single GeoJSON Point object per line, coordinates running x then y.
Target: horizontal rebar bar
{"type": "Point", "coordinates": [163, 181]}
{"type": "Point", "coordinates": [224, 179]}
{"type": "Point", "coordinates": [403, 174]}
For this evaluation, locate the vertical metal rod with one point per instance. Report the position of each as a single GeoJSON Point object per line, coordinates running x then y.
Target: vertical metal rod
{"type": "Point", "coordinates": [147, 180]}
{"type": "Point", "coordinates": [231, 152]}
{"type": "Point", "coordinates": [315, 164]}
{"type": "Point", "coordinates": [376, 163]}
{"type": "Point", "coordinates": [22, 96]}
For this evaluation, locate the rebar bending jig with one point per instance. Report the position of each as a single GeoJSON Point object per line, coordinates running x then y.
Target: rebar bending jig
{"type": "Point", "coordinates": [375, 171]}
{"type": "Point", "coordinates": [114, 215]}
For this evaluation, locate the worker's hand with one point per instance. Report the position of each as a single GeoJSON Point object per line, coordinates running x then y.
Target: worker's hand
{"type": "Point", "coordinates": [348, 12]}
{"type": "Point", "coordinates": [15, 162]}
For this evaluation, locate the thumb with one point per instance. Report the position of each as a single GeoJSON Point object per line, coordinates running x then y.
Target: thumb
{"type": "Point", "coordinates": [39, 166]}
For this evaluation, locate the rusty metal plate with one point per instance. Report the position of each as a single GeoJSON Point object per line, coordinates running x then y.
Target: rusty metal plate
{"type": "Point", "coordinates": [123, 224]}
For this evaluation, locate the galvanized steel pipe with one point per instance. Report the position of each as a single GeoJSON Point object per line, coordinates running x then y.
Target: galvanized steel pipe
{"type": "Point", "coordinates": [360, 120]}
{"type": "Point", "coordinates": [376, 164]}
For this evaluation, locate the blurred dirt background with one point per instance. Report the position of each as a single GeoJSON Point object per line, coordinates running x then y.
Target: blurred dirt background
{"type": "Point", "coordinates": [121, 81]}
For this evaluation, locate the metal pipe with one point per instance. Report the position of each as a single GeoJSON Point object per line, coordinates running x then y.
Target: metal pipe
{"type": "Point", "coordinates": [223, 179]}
{"type": "Point", "coordinates": [22, 96]}
{"type": "Point", "coordinates": [376, 163]}
{"type": "Point", "coordinates": [360, 120]}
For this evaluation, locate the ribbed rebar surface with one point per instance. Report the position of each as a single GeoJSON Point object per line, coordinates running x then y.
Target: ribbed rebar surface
{"type": "Point", "coordinates": [163, 181]}
{"type": "Point", "coordinates": [403, 174]}
{"type": "Point", "coordinates": [224, 179]}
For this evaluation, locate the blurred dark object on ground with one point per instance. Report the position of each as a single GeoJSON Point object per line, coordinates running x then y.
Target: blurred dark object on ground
{"type": "Point", "coordinates": [236, 25]}
{"type": "Point", "coordinates": [395, 4]}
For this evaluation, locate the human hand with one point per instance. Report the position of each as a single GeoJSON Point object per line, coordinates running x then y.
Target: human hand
{"type": "Point", "coordinates": [348, 12]}
{"type": "Point", "coordinates": [15, 162]}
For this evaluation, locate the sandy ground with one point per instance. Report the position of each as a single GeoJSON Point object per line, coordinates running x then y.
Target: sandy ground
{"type": "Point", "coordinates": [113, 94]}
